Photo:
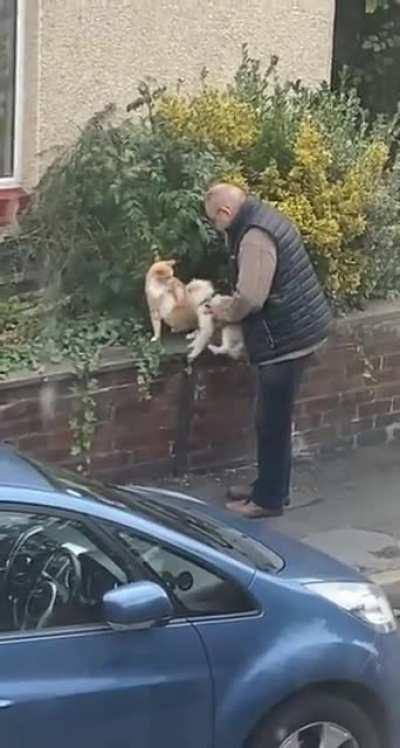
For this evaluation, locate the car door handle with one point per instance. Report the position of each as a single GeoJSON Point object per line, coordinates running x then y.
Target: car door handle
{"type": "Point", "coordinates": [5, 703]}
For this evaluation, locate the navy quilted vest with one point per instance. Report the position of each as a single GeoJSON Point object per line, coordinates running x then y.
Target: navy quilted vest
{"type": "Point", "coordinates": [296, 314]}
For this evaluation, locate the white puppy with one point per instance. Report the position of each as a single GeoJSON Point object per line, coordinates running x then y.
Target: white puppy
{"type": "Point", "coordinates": [203, 298]}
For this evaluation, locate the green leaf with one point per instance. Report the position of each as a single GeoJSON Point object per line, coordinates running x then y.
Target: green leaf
{"type": "Point", "coordinates": [371, 6]}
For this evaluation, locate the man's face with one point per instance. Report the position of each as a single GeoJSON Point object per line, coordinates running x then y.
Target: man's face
{"type": "Point", "coordinates": [220, 216]}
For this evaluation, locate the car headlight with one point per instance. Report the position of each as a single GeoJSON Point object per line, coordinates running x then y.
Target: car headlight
{"type": "Point", "coordinates": [365, 601]}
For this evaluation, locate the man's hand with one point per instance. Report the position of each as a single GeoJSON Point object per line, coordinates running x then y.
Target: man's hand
{"type": "Point", "coordinates": [219, 306]}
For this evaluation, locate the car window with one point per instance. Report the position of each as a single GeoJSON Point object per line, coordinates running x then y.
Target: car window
{"type": "Point", "coordinates": [52, 573]}
{"type": "Point", "coordinates": [188, 521]}
{"type": "Point", "coordinates": [198, 591]}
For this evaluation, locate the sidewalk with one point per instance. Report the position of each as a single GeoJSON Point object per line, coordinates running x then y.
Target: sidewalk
{"type": "Point", "coordinates": [348, 506]}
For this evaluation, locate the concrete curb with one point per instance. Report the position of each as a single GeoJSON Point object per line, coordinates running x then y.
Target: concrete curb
{"type": "Point", "coordinates": [390, 582]}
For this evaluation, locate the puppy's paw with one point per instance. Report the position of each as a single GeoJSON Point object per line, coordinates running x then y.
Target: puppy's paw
{"type": "Point", "coordinates": [193, 353]}
{"type": "Point", "coordinates": [217, 350]}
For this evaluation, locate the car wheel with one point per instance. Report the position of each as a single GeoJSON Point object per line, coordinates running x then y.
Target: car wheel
{"type": "Point", "coordinates": [317, 721]}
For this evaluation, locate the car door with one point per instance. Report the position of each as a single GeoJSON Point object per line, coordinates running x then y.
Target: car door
{"type": "Point", "coordinates": [68, 680]}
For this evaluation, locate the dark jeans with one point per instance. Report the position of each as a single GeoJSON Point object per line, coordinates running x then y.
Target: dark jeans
{"type": "Point", "coordinates": [277, 388]}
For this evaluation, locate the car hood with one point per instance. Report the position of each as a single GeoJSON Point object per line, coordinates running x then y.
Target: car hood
{"type": "Point", "coordinates": [301, 561]}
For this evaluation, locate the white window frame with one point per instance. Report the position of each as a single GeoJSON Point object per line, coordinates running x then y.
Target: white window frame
{"type": "Point", "coordinates": [16, 179]}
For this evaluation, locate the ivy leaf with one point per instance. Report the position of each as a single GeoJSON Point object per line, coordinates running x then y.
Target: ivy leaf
{"type": "Point", "coordinates": [371, 6]}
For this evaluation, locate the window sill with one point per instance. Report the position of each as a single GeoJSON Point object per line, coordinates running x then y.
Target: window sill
{"type": "Point", "coordinates": [12, 201]}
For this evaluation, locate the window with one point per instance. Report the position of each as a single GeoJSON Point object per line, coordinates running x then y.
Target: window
{"type": "Point", "coordinates": [199, 526]}
{"type": "Point", "coordinates": [196, 590]}
{"type": "Point", "coordinates": [52, 573]}
{"type": "Point", "coordinates": [8, 33]}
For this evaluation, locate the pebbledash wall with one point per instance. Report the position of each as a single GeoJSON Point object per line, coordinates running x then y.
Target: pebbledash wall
{"type": "Point", "coordinates": [350, 398]}
{"type": "Point", "coordinates": [73, 57]}
{"type": "Point", "coordinates": [82, 54]}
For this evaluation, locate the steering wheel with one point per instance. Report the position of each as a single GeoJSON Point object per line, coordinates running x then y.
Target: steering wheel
{"type": "Point", "coordinates": [15, 550]}
{"type": "Point", "coordinates": [58, 581]}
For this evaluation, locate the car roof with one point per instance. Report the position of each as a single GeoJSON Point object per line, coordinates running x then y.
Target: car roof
{"type": "Point", "coordinates": [19, 472]}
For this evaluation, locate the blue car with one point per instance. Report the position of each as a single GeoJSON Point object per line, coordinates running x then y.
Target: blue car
{"type": "Point", "coordinates": [142, 618]}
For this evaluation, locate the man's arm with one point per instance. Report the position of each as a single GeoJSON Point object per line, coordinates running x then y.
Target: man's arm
{"type": "Point", "coordinates": [257, 265]}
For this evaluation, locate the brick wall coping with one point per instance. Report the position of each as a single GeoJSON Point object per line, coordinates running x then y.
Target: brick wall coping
{"type": "Point", "coordinates": [118, 358]}
{"type": "Point", "coordinates": [375, 311]}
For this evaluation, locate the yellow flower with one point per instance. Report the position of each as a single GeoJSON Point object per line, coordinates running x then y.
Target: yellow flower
{"type": "Point", "coordinates": [234, 176]}
{"type": "Point", "coordinates": [329, 212]}
{"type": "Point", "coordinates": [271, 184]}
{"type": "Point", "coordinates": [215, 117]}
{"type": "Point", "coordinates": [330, 215]}
{"type": "Point", "coordinates": [311, 154]}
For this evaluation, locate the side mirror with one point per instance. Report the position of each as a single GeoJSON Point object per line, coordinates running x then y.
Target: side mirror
{"type": "Point", "coordinates": [140, 605]}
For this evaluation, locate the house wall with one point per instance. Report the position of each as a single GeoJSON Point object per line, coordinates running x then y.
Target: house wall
{"type": "Point", "coordinates": [82, 54]}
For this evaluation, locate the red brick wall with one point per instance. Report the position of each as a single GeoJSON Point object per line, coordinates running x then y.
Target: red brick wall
{"type": "Point", "coordinates": [350, 398]}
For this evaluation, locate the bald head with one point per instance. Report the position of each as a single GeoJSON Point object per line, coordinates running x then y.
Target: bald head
{"type": "Point", "coordinates": [222, 203]}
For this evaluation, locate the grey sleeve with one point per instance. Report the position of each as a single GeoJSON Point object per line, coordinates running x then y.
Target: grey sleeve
{"type": "Point", "coordinates": [257, 266]}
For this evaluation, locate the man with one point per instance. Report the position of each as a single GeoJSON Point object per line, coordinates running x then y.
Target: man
{"type": "Point", "coordinates": [285, 318]}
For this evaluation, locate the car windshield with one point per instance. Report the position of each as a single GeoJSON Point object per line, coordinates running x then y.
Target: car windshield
{"type": "Point", "coordinates": [205, 529]}
{"type": "Point", "coordinates": [159, 508]}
